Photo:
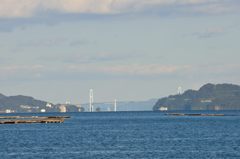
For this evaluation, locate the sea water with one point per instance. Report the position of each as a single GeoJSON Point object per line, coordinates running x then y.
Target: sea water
{"type": "Point", "coordinates": [137, 135]}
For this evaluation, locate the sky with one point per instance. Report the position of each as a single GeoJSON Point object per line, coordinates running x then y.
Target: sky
{"type": "Point", "coordinates": [129, 50]}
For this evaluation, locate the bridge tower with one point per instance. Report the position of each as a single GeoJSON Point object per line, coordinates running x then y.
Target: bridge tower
{"type": "Point", "coordinates": [91, 100]}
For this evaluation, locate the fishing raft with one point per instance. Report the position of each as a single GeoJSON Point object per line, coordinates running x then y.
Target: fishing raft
{"type": "Point", "coordinates": [31, 119]}
{"type": "Point", "coordinates": [183, 114]}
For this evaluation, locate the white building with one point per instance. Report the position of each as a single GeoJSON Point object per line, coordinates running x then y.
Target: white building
{"type": "Point", "coordinates": [163, 108]}
{"type": "Point", "coordinates": [63, 109]}
{"type": "Point", "coordinates": [9, 111]}
{"type": "Point", "coordinates": [43, 110]}
{"type": "Point", "coordinates": [49, 105]}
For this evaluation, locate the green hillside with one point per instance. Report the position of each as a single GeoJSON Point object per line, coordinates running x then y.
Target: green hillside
{"type": "Point", "coordinates": [208, 97]}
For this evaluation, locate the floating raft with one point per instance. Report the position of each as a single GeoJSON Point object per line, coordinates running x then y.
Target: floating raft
{"type": "Point", "coordinates": [183, 114]}
{"type": "Point", "coordinates": [31, 119]}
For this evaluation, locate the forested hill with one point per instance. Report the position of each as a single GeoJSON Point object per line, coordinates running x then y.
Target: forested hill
{"type": "Point", "coordinates": [208, 97]}
{"type": "Point", "coordinates": [15, 102]}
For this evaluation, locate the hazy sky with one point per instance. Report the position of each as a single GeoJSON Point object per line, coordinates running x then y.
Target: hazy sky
{"type": "Point", "coordinates": [56, 50]}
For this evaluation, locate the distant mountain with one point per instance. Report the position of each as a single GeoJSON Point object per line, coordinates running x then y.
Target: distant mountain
{"type": "Point", "coordinates": [136, 105]}
{"type": "Point", "coordinates": [2, 96]}
{"type": "Point", "coordinates": [208, 97]}
{"type": "Point", "coordinates": [20, 103]}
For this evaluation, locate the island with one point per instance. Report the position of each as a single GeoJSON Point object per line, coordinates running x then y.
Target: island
{"type": "Point", "coordinates": [208, 97]}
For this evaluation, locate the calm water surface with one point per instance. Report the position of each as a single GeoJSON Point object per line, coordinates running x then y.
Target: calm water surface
{"type": "Point", "coordinates": [124, 135]}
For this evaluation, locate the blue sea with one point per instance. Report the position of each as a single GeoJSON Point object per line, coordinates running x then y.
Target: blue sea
{"type": "Point", "coordinates": [125, 135]}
